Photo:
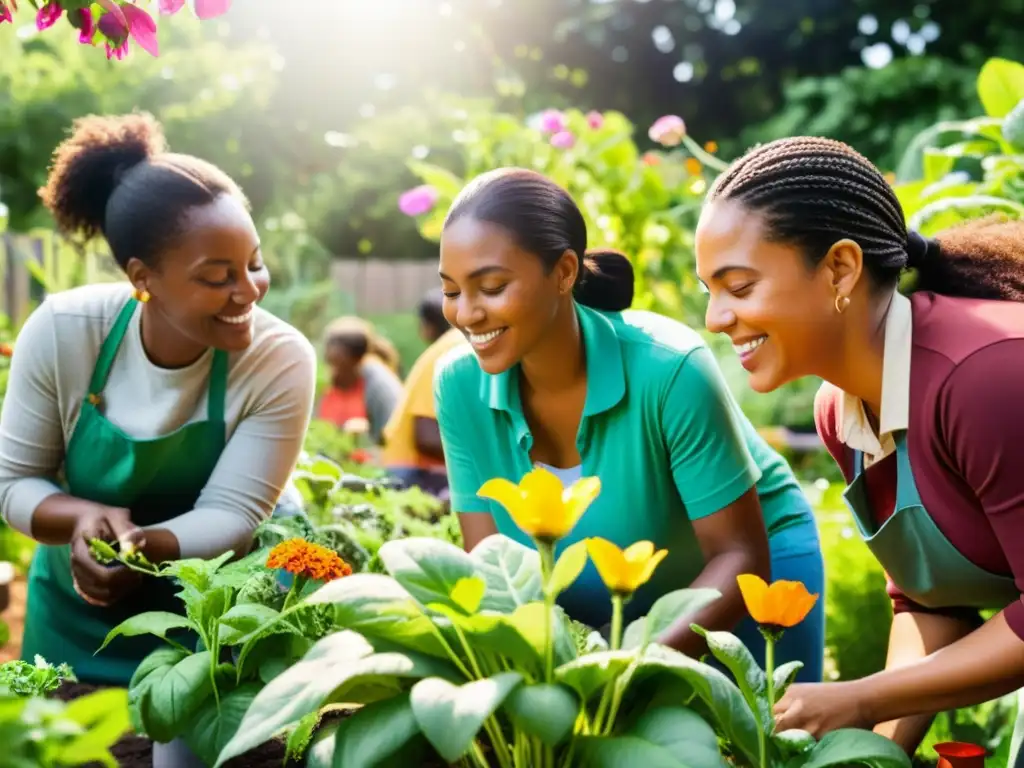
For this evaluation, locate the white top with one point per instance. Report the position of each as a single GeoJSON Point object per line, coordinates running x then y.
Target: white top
{"type": "Point", "coordinates": [267, 410]}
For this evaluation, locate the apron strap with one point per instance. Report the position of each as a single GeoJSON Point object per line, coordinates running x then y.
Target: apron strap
{"type": "Point", "coordinates": [108, 351]}
{"type": "Point", "coordinates": [217, 394]}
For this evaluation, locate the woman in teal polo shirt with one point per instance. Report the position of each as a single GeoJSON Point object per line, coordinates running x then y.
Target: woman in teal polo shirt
{"type": "Point", "coordinates": [558, 375]}
{"type": "Point", "coordinates": [802, 246]}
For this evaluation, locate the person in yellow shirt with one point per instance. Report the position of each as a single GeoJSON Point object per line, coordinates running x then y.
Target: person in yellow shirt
{"type": "Point", "coordinates": [412, 441]}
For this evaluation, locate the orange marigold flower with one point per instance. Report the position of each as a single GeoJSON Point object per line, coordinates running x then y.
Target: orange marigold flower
{"type": "Point", "coordinates": [304, 558]}
{"type": "Point", "coordinates": [6, 350]}
{"type": "Point", "coordinates": [711, 147]}
{"type": "Point", "coordinates": [781, 604]}
{"type": "Point", "coordinates": [693, 166]}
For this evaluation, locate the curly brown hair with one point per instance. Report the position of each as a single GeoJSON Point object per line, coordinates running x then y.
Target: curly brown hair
{"type": "Point", "coordinates": [815, 191]}
{"type": "Point", "coordinates": [114, 176]}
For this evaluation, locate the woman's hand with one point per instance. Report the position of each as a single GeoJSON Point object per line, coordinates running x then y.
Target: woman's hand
{"type": "Point", "coordinates": [822, 707]}
{"type": "Point", "coordinates": [96, 583]}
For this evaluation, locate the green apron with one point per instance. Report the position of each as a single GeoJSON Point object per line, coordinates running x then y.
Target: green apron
{"type": "Point", "coordinates": [157, 480]}
{"type": "Point", "coordinates": [920, 560]}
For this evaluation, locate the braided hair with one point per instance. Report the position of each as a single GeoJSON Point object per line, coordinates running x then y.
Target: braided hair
{"type": "Point", "coordinates": [816, 191]}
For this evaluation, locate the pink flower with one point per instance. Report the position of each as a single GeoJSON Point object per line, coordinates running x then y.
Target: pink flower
{"type": "Point", "coordinates": [668, 130]}
{"type": "Point", "coordinates": [553, 121]}
{"type": "Point", "coordinates": [170, 7]}
{"type": "Point", "coordinates": [595, 119]}
{"type": "Point", "coordinates": [418, 200]}
{"type": "Point", "coordinates": [209, 9]}
{"type": "Point", "coordinates": [563, 140]}
{"type": "Point", "coordinates": [117, 51]}
{"type": "Point", "coordinates": [85, 23]}
{"type": "Point", "coordinates": [48, 15]}
{"type": "Point", "coordinates": [128, 20]}
{"type": "Point", "coordinates": [5, 13]}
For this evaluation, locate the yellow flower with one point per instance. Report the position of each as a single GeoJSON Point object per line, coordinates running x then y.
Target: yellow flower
{"type": "Point", "coordinates": [783, 604]}
{"type": "Point", "coordinates": [624, 571]}
{"type": "Point", "coordinates": [540, 505]}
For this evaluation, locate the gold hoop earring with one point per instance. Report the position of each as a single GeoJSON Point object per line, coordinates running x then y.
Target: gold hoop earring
{"type": "Point", "coordinates": [841, 303]}
{"type": "Point", "coordinates": [142, 295]}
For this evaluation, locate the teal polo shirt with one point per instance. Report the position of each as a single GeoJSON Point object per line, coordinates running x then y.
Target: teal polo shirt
{"type": "Point", "coordinates": [659, 428]}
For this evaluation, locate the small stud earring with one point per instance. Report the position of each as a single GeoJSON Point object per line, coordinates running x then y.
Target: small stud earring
{"type": "Point", "coordinates": [142, 295]}
{"type": "Point", "coordinates": [841, 303]}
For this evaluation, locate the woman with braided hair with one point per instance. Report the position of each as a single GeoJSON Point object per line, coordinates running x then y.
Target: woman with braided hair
{"type": "Point", "coordinates": [801, 245]}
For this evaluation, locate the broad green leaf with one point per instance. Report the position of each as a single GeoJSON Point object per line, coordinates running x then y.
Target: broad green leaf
{"type": "Point", "coordinates": [378, 606]}
{"type": "Point", "coordinates": [930, 218]}
{"type": "Point", "coordinates": [733, 654]}
{"type": "Point", "coordinates": [196, 572]}
{"type": "Point", "coordinates": [1000, 86]}
{"type": "Point", "coordinates": [666, 610]}
{"type": "Point", "coordinates": [850, 747]}
{"type": "Point", "coordinates": [379, 735]}
{"type": "Point", "coordinates": [428, 568]}
{"type": "Point", "coordinates": [568, 568]}
{"type": "Point", "coordinates": [511, 570]}
{"type": "Point", "coordinates": [937, 163]}
{"type": "Point", "coordinates": [450, 716]}
{"type": "Point", "coordinates": [793, 742]}
{"type": "Point", "coordinates": [143, 677]}
{"type": "Point", "coordinates": [1013, 127]}
{"type": "Point", "coordinates": [173, 694]}
{"type": "Point", "coordinates": [719, 695]}
{"type": "Point", "coordinates": [588, 674]}
{"type": "Point", "coordinates": [547, 711]}
{"type": "Point", "coordinates": [157, 623]}
{"type": "Point", "coordinates": [104, 717]}
{"type": "Point", "coordinates": [213, 728]}
{"type": "Point", "coordinates": [663, 737]}
{"type": "Point", "coordinates": [334, 668]}
{"type": "Point", "coordinates": [468, 592]}
{"type": "Point", "coordinates": [243, 622]}
{"type": "Point", "coordinates": [784, 676]}
{"type": "Point", "coordinates": [497, 633]}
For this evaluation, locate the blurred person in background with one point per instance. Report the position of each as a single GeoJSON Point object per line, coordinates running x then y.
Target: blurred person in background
{"type": "Point", "coordinates": [364, 387]}
{"type": "Point", "coordinates": [802, 245]}
{"type": "Point", "coordinates": [412, 440]}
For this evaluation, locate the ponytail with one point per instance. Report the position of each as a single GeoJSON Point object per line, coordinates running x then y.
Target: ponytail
{"type": "Point", "coordinates": [606, 281]}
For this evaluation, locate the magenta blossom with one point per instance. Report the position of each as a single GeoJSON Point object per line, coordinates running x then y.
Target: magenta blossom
{"type": "Point", "coordinates": [209, 9]}
{"type": "Point", "coordinates": [595, 119]}
{"type": "Point", "coordinates": [5, 13]}
{"type": "Point", "coordinates": [170, 7]}
{"type": "Point", "coordinates": [86, 25]}
{"type": "Point", "coordinates": [553, 121]}
{"type": "Point", "coordinates": [418, 200]}
{"type": "Point", "coordinates": [563, 140]}
{"type": "Point", "coordinates": [118, 51]}
{"type": "Point", "coordinates": [48, 15]}
{"type": "Point", "coordinates": [668, 130]}
{"type": "Point", "coordinates": [134, 22]}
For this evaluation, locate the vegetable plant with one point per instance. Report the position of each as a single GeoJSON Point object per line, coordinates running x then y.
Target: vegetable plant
{"type": "Point", "coordinates": [23, 679]}
{"type": "Point", "coordinates": [466, 656]}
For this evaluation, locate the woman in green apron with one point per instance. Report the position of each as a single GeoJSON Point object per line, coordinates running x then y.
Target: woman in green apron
{"type": "Point", "coordinates": [167, 411]}
{"type": "Point", "coordinates": [802, 244]}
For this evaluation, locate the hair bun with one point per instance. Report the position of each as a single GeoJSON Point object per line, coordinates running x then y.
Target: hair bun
{"type": "Point", "coordinates": [920, 249]}
{"type": "Point", "coordinates": [607, 282]}
{"type": "Point", "coordinates": [88, 166]}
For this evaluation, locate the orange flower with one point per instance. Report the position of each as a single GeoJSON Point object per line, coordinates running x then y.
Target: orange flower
{"type": "Point", "coordinates": [651, 159]}
{"type": "Point", "coordinates": [693, 166]}
{"type": "Point", "coordinates": [783, 604]}
{"type": "Point", "coordinates": [6, 350]}
{"type": "Point", "coordinates": [711, 147]}
{"type": "Point", "coordinates": [303, 558]}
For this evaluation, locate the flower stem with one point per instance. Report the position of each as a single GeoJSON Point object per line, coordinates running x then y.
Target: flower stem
{"type": "Point", "coordinates": [547, 565]}
{"type": "Point", "coordinates": [616, 633]}
{"type": "Point", "coordinates": [769, 671]}
{"type": "Point", "coordinates": [708, 159]}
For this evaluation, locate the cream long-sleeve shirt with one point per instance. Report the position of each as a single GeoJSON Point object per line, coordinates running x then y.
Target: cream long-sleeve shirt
{"type": "Point", "coordinates": [268, 406]}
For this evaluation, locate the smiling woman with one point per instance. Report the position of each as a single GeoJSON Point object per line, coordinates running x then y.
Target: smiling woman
{"type": "Point", "coordinates": [172, 407]}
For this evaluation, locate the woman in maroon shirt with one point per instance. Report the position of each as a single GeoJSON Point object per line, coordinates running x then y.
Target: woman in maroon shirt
{"type": "Point", "coordinates": [801, 246]}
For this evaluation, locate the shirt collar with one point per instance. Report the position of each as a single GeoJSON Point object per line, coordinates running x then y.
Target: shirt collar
{"type": "Point", "coordinates": [895, 416]}
{"type": "Point", "coordinates": [606, 378]}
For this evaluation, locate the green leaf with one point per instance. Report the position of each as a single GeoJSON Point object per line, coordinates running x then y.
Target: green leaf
{"type": "Point", "coordinates": [547, 711]}
{"type": "Point", "coordinates": [333, 669]}
{"type": "Point", "coordinates": [1000, 86]}
{"type": "Point", "coordinates": [428, 568]}
{"type": "Point", "coordinates": [173, 694]}
{"type": "Point", "coordinates": [378, 606]}
{"type": "Point", "coordinates": [103, 716]}
{"type": "Point", "coordinates": [784, 676]}
{"type": "Point", "coordinates": [937, 163]}
{"type": "Point", "coordinates": [450, 716]}
{"type": "Point", "coordinates": [719, 695]}
{"type": "Point", "coordinates": [244, 622]}
{"type": "Point", "coordinates": [196, 572]}
{"type": "Point", "coordinates": [568, 568]}
{"type": "Point", "coordinates": [753, 683]}
{"type": "Point", "coordinates": [379, 735]}
{"type": "Point", "coordinates": [793, 742]}
{"type": "Point", "coordinates": [851, 746]}
{"type": "Point", "coordinates": [321, 751]}
{"type": "Point", "coordinates": [157, 623]}
{"type": "Point", "coordinates": [665, 612]}
{"type": "Point", "coordinates": [511, 571]}
{"type": "Point", "coordinates": [468, 592]}
{"type": "Point", "coordinates": [300, 737]}
{"type": "Point", "coordinates": [663, 737]}
{"type": "Point", "coordinates": [588, 674]}
{"type": "Point", "coordinates": [1013, 127]}
{"type": "Point", "coordinates": [212, 728]}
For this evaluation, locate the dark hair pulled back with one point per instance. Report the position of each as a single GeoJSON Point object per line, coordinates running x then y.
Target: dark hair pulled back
{"type": "Point", "coordinates": [815, 191]}
{"type": "Point", "coordinates": [543, 219]}
{"type": "Point", "coordinates": [113, 176]}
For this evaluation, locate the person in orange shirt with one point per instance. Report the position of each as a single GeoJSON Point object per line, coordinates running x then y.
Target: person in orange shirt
{"type": "Point", "coordinates": [364, 385]}
{"type": "Point", "coordinates": [412, 441]}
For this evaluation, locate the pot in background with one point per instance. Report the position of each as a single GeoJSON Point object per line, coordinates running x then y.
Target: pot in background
{"type": "Point", "coordinates": [960, 754]}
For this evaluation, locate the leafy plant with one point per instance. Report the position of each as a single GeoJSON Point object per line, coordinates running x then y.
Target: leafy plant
{"type": "Point", "coordinates": [466, 655]}
{"type": "Point", "coordinates": [23, 679]}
